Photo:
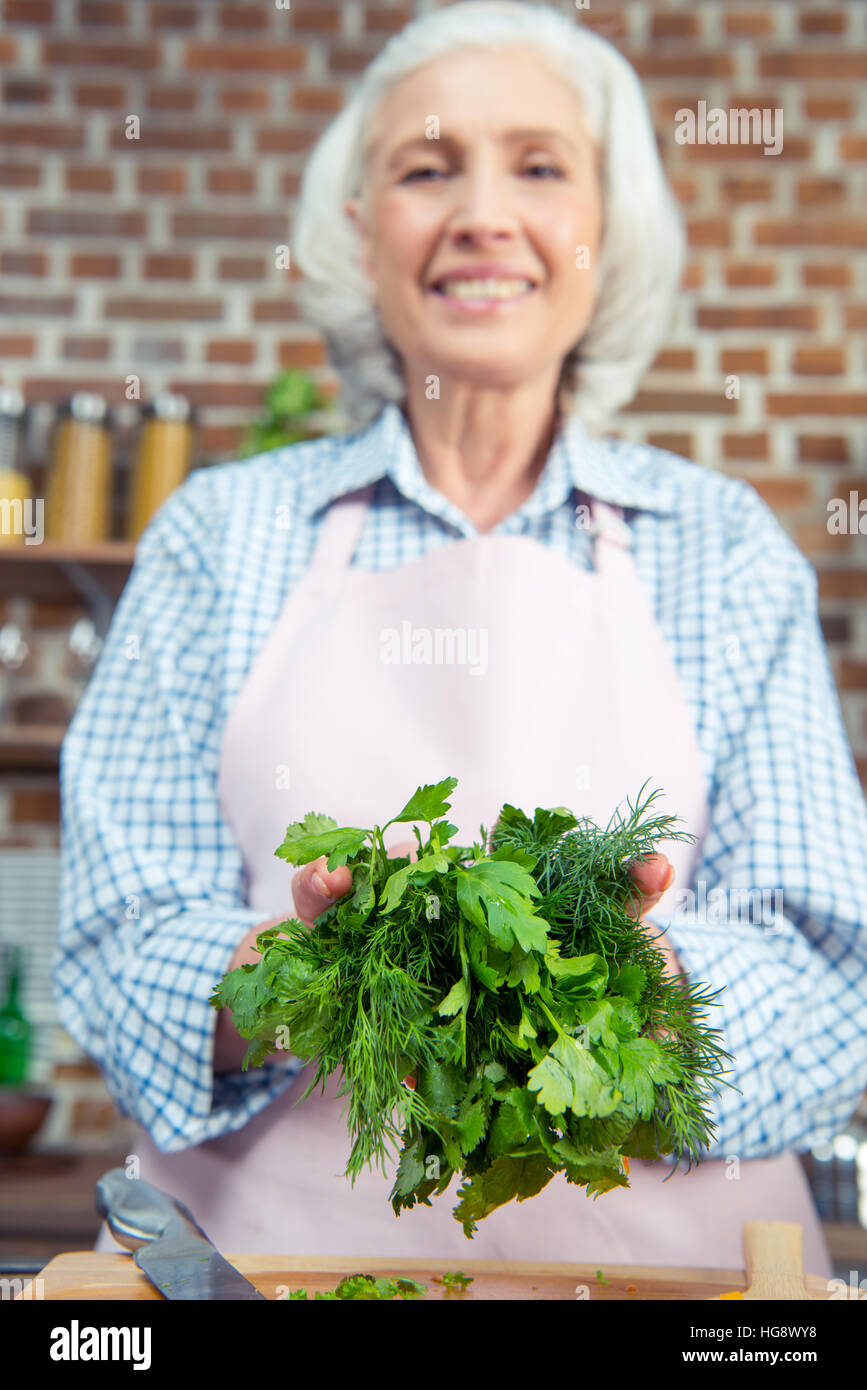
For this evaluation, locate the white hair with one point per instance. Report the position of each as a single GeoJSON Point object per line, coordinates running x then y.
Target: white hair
{"type": "Point", "coordinates": [643, 240]}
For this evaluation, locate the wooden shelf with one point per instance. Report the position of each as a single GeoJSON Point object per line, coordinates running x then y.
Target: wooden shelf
{"type": "Point", "coordinates": [30, 747]}
{"type": "Point", "coordinates": [62, 572]}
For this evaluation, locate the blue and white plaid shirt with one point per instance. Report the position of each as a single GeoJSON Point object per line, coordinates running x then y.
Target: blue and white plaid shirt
{"type": "Point", "coordinates": [152, 905]}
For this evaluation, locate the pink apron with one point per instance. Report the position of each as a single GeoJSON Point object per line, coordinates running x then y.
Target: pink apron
{"type": "Point", "coordinates": [501, 662]}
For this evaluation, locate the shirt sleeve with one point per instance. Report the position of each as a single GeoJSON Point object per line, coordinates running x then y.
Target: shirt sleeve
{"type": "Point", "coordinates": [151, 894]}
{"type": "Point", "coordinates": [777, 910]}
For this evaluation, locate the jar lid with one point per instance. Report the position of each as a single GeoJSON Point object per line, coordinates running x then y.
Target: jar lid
{"type": "Point", "coordinates": [87, 406]}
{"type": "Point", "coordinates": [12, 401]}
{"type": "Point", "coordinates": [168, 406]}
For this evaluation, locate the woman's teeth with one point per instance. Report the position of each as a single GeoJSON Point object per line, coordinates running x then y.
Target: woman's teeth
{"type": "Point", "coordinates": [484, 289]}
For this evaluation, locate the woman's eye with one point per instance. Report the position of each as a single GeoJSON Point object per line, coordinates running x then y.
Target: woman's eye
{"type": "Point", "coordinates": [423, 170]}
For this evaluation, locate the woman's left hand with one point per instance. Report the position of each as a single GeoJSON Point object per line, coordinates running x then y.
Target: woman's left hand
{"type": "Point", "coordinates": [654, 876]}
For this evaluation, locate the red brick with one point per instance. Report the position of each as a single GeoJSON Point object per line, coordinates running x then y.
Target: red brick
{"type": "Point", "coordinates": [167, 265]}
{"type": "Point", "coordinates": [220, 439]}
{"type": "Point", "coordinates": [231, 180]}
{"type": "Point", "coordinates": [28, 11]}
{"type": "Point", "coordinates": [100, 96]}
{"type": "Point", "coordinates": [674, 360]}
{"type": "Point", "coordinates": [51, 135]}
{"type": "Point", "coordinates": [853, 147]}
{"type": "Point", "coordinates": [86, 349]}
{"type": "Point", "coordinates": [192, 310]}
{"type": "Point", "coordinates": [747, 190]}
{"type": "Point", "coordinates": [822, 22]}
{"type": "Point", "coordinates": [20, 175]}
{"type": "Point", "coordinates": [284, 140]}
{"type": "Point", "coordinates": [168, 98]}
{"type": "Point", "coordinates": [821, 191]}
{"type": "Point", "coordinates": [268, 226]}
{"type": "Point", "coordinates": [159, 350]}
{"type": "Point", "coordinates": [775, 316]}
{"type": "Point", "coordinates": [241, 267]}
{"type": "Point", "coordinates": [745, 446]}
{"type": "Point", "coordinates": [828, 108]}
{"type": "Point", "coordinates": [90, 53]}
{"type": "Point", "coordinates": [689, 64]}
{"type": "Point", "coordinates": [744, 360]}
{"type": "Point", "coordinates": [832, 276]}
{"type": "Point", "coordinates": [676, 402]}
{"type": "Point", "coordinates": [55, 390]}
{"type": "Point", "coordinates": [183, 137]}
{"type": "Point", "coordinates": [102, 12]}
{"type": "Point", "coordinates": [26, 91]}
{"type": "Point", "coordinates": [835, 65]}
{"type": "Point", "coordinates": [166, 182]}
{"type": "Point", "coordinates": [245, 98]}
{"type": "Point", "coordinates": [274, 309]}
{"type": "Point", "coordinates": [783, 494]}
{"type": "Point", "coordinates": [8, 50]}
{"type": "Point", "coordinates": [17, 345]}
{"type": "Point", "coordinates": [328, 100]}
{"type": "Point", "coordinates": [664, 25]}
{"type": "Point", "coordinates": [749, 275]}
{"type": "Point", "coordinates": [246, 17]}
{"type": "Point", "coordinates": [52, 305]}
{"type": "Point", "coordinates": [819, 361]}
{"type": "Point", "coordinates": [673, 443]}
{"type": "Point", "coordinates": [240, 352]}
{"type": "Point", "coordinates": [747, 24]}
{"type": "Point", "coordinates": [795, 147]}
{"type": "Point", "coordinates": [301, 354]}
{"type": "Point", "coordinates": [23, 263]}
{"type": "Point", "coordinates": [104, 265]}
{"type": "Point", "coordinates": [91, 1114]}
{"type": "Point", "coordinates": [89, 180]}
{"type": "Point", "coordinates": [379, 20]}
{"type": "Point", "coordinates": [349, 58]}
{"type": "Point", "coordinates": [817, 403]}
{"type": "Point", "coordinates": [856, 316]}
{"type": "Point", "coordinates": [709, 231]}
{"type": "Point", "coordinates": [81, 222]}
{"type": "Point", "coordinates": [236, 57]}
{"type": "Point", "coordinates": [823, 448]}
{"type": "Point", "coordinates": [246, 395]}
{"type": "Point", "coordinates": [179, 16]}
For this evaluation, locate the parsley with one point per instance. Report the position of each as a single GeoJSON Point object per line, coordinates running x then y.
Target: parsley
{"type": "Point", "coordinates": [512, 979]}
{"type": "Point", "coordinates": [364, 1288]}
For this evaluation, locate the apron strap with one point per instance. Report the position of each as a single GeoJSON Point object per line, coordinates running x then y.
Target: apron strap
{"type": "Point", "coordinates": [338, 539]}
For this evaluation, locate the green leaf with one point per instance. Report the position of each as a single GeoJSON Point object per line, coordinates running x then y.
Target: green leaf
{"type": "Point", "coordinates": [524, 972]}
{"type": "Point", "coordinates": [575, 971]}
{"type": "Point", "coordinates": [644, 1065]}
{"type": "Point", "coordinates": [302, 847]}
{"type": "Point", "coordinates": [427, 803]}
{"type": "Point", "coordinates": [456, 1000]}
{"type": "Point", "coordinates": [497, 895]}
{"type": "Point", "coordinates": [398, 882]}
{"type": "Point", "coordinates": [506, 1179]}
{"type": "Point", "coordinates": [629, 981]}
{"type": "Point", "coordinates": [570, 1078]}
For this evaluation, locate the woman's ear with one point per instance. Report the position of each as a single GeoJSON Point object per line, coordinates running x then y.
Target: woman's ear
{"type": "Point", "coordinates": [352, 208]}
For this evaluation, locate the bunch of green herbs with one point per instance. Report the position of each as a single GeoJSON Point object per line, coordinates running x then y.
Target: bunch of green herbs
{"type": "Point", "coordinates": [513, 980]}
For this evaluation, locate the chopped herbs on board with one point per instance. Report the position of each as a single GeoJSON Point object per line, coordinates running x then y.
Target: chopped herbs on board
{"type": "Point", "coordinates": [512, 980]}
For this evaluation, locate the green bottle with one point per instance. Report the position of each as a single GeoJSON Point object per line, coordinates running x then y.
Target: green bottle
{"type": "Point", "coordinates": [15, 1030]}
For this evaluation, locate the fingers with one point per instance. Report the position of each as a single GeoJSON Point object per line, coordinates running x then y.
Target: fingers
{"type": "Point", "coordinates": [314, 888]}
{"type": "Point", "coordinates": [406, 847]}
{"type": "Point", "coordinates": [653, 876]}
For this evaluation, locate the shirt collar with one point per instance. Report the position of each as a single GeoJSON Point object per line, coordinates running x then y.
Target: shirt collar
{"type": "Point", "coordinates": [625, 475]}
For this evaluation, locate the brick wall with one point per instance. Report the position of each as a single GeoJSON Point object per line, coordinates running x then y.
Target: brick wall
{"type": "Point", "coordinates": [155, 256]}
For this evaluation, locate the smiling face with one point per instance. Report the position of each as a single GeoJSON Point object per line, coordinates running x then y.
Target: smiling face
{"type": "Point", "coordinates": [504, 199]}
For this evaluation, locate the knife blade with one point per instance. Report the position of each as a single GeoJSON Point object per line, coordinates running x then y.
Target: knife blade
{"type": "Point", "coordinates": [168, 1244]}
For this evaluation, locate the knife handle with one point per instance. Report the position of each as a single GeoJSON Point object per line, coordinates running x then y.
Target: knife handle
{"type": "Point", "coordinates": [137, 1212]}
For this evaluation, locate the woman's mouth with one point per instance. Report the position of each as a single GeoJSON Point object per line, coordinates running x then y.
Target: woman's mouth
{"type": "Point", "coordinates": [482, 294]}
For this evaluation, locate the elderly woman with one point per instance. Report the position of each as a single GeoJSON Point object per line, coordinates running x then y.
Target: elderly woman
{"type": "Point", "coordinates": [491, 250]}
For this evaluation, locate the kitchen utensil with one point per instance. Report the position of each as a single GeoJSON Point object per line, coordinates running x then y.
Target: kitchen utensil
{"type": "Point", "coordinates": [168, 1245]}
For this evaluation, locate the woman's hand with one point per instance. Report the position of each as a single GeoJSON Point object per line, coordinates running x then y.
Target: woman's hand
{"type": "Point", "coordinates": [654, 876]}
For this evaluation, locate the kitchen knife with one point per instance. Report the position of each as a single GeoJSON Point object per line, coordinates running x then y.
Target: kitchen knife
{"type": "Point", "coordinates": [167, 1243]}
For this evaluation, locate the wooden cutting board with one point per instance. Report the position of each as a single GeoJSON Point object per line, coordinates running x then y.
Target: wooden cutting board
{"type": "Point", "coordinates": [89, 1274]}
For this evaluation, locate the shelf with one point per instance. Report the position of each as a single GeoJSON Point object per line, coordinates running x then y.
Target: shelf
{"type": "Point", "coordinates": [66, 573]}
{"type": "Point", "coordinates": [30, 747]}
